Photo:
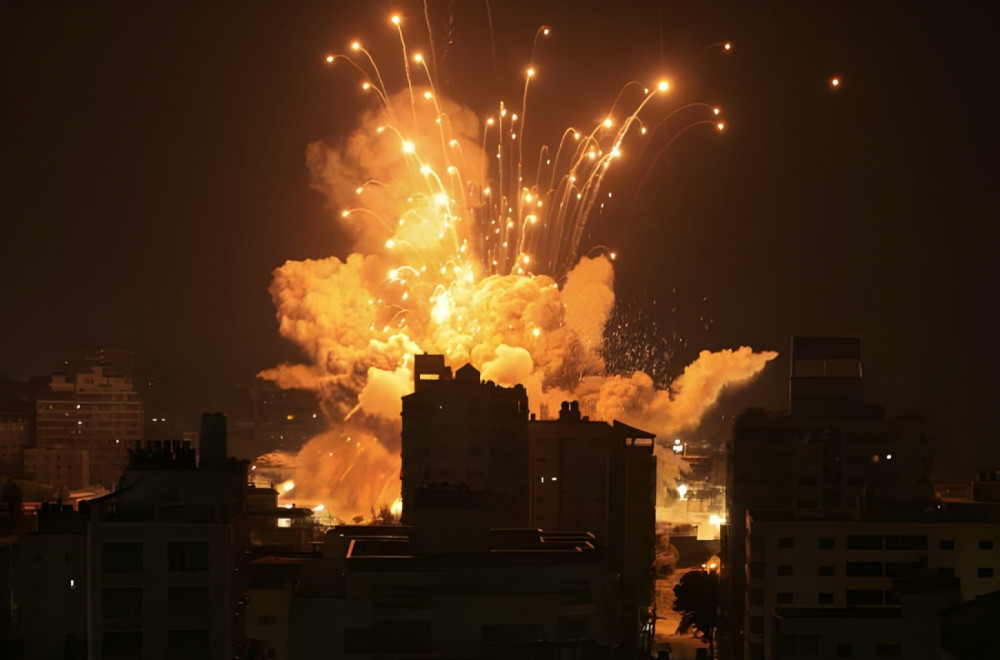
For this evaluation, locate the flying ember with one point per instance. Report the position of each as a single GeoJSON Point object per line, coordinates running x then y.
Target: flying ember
{"type": "Point", "coordinates": [455, 251]}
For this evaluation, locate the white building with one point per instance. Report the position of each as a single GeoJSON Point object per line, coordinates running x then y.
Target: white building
{"type": "Point", "coordinates": [856, 588]}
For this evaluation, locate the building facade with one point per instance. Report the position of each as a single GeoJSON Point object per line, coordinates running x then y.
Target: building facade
{"type": "Point", "coordinates": [460, 430]}
{"type": "Point", "coordinates": [15, 425]}
{"type": "Point", "coordinates": [864, 588]}
{"type": "Point", "coordinates": [167, 553]}
{"type": "Point", "coordinates": [830, 458]}
{"type": "Point", "coordinates": [93, 411]}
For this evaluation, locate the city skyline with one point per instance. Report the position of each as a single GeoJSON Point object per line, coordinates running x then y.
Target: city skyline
{"type": "Point", "coordinates": [156, 177]}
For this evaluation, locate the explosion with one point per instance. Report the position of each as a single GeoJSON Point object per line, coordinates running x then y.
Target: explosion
{"type": "Point", "coordinates": [455, 252]}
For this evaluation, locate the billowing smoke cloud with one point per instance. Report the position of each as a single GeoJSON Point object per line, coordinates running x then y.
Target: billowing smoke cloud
{"type": "Point", "coordinates": [408, 186]}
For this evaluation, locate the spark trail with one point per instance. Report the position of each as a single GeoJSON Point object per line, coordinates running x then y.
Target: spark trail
{"type": "Point", "coordinates": [455, 253]}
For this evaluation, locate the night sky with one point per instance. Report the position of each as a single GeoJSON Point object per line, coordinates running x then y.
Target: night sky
{"type": "Point", "coordinates": [153, 175]}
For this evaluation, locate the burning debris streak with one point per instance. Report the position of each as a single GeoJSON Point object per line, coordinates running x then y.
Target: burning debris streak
{"type": "Point", "coordinates": [454, 253]}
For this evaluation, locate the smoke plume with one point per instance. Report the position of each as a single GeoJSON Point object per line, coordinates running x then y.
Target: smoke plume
{"type": "Point", "coordinates": [408, 186]}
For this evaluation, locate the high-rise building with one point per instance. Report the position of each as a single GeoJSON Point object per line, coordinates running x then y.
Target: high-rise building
{"type": "Point", "coordinates": [460, 430]}
{"type": "Point", "coordinates": [92, 411]}
{"type": "Point", "coordinates": [598, 477]}
{"type": "Point", "coordinates": [830, 457]}
{"type": "Point", "coordinates": [472, 442]}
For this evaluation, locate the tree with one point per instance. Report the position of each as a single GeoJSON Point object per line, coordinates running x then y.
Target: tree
{"type": "Point", "coordinates": [696, 597]}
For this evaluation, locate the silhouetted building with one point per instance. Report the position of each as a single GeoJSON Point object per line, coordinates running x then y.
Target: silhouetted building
{"type": "Point", "coordinates": [15, 424]}
{"type": "Point", "coordinates": [969, 630]}
{"type": "Point", "coordinates": [472, 460]}
{"type": "Point", "coordinates": [803, 487]}
{"type": "Point", "coordinates": [282, 419]}
{"type": "Point", "coordinates": [380, 592]}
{"type": "Point", "coordinates": [50, 586]}
{"type": "Point", "coordinates": [167, 553]}
{"type": "Point", "coordinates": [464, 431]}
{"type": "Point", "coordinates": [265, 604]}
{"type": "Point", "coordinates": [599, 477]}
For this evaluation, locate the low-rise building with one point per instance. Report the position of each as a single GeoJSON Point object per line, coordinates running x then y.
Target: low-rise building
{"type": "Point", "coordinates": [823, 578]}
{"type": "Point", "coordinates": [50, 586]}
{"type": "Point", "coordinates": [376, 592]}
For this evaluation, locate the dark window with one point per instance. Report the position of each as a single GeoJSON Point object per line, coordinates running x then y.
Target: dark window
{"type": "Point", "coordinates": [863, 569]}
{"type": "Point", "coordinates": [864, 542]}
{"type": "Point", "coordinates": [117, 557]}
{"type": "Point", "coordinates": [845, 651]}
{"type": "Point", "coordinates": [825, 599]}
{"type": "Point", "coordinates": [946, 544]}
{"type": "Point", "coordinates": [757, 650]}
{"type": "Point", "coordinates": [122, 645]}
{"type": "Point", "coordinates": [187, 645]}
{"type": "Point", "coordinates": [187, 555]}
{"type": "Point", "coordinates": [785, 569]}
{"type": "Point", "coordinates": [786, 645]}
{"type": "Point", "coordinates": [756, 596]}
{"type": "Point", "coordinates": [756, 624]}
{"type": "Point", "coordinates": [757, 569]}
{"type": "Point", "coordinates": [786, 543]}
{"type": "Point", "coordinates": [408, 636]}
{"type": "Point", "coordinates": [946, 571]}
{"type": "Point", "coordinates": [121, 602]}
{"type": "Point", "coordinates": [826, 571]}
{"type": "Point", "coordinates": [784, 597]}
{"type": "Point", "coordinates": [905, 542]}
{"type": "Point", "coordinates": [986, 545]}
{"type": "Point", "coordinates": [864, 597]}
{"type": "Point", "coordinates": [985, 571]}
{"type": "Point", "coordinates": [888, 651]}
{"type": "Point", "coordinates": [808, 644]}
{"type": "Point", "coordinates": [187, 601]}
{"type": "Point", "coordinates": [904, 569]}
